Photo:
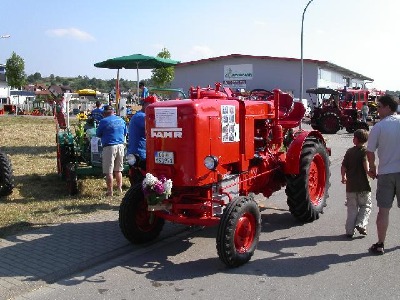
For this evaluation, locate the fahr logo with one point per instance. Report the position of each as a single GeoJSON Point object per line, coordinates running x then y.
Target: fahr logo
{"type": "Point", "coordinates": [166, 133]}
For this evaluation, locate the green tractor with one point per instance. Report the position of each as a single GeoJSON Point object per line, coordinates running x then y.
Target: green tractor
{"type": "Point", "coordinates": [79, 151]}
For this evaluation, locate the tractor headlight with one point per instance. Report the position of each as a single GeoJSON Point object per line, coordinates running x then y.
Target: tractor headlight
{"type": "Point", "coordinates": [211, 162]}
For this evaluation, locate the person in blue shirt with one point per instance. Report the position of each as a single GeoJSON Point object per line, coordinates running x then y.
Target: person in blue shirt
{"type": "Point", "coordinates": [137, 133]}
{"type": "Point", "coordinates": [112, 131]}
{"type": "Point", "coordinates": [97, 113]}
{"type": "Point", "coordinates": [144, 90]}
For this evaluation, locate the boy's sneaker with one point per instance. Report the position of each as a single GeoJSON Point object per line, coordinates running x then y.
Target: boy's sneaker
{"type": "Point", "coordinates": [377, 248]}
{"type": "Point", "coordinates": [361, 230]}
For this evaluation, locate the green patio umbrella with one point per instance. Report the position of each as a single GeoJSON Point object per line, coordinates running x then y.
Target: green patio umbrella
{"type": "Point", "coordinates": [136, 61]}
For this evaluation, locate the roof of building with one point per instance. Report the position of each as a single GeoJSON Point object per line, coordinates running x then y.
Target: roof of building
{"type": "Point", "coordinates": [42, 92]}
{"type": "Point", "coordinates": [323, 63]}
{"type": "Point", "coordinates": [22, 93]}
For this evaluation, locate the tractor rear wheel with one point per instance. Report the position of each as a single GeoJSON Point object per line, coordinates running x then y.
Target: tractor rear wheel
{"type": "Point", "coordinates": [6, 175]}
{"type": "Point", "coordinates": [71, 178]}
{"type": "Point", "coordinates": [329, 123]}
{"type": "Point", "coordinates": [307, 192]}
{"type": "Point", "coordinates": [137, 224]}
{"type": "Point", "coordinates": [239, 231]}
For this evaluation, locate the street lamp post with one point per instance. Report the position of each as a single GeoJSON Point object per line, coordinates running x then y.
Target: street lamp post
{"type": "Point", "coordinates": [302, 64]}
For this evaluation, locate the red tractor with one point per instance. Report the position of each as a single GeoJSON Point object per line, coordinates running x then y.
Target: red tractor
{"type": "Point", "coordinates": [334, 110]}
{"type": "Point", "coordinates": [353, 98]}
{"type": "Point", "coordinates": [218, 151]}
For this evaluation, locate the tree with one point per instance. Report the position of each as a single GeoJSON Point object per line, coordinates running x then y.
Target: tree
{"type": "Point", "coordinates": [37, 76]}
{"type": "Point", "coordinates": [30, 79]}
{"type": "Point", "coordinates": [34, 78]}
{"type": "Point", "coordinates": [15, 71]}
{"type": "Point", "coordinates": [162, 77]}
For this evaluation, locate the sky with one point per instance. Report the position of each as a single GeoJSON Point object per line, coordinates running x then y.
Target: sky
{"type": "Point", "coordinates": [66, 38]}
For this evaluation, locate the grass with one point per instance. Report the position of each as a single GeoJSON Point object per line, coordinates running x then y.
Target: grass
{"type": "Point", "coordinates": [40, 197]}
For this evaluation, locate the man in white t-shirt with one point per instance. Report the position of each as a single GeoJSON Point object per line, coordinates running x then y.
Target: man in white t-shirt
{"type": "Point", "coordinates": [384, 138]}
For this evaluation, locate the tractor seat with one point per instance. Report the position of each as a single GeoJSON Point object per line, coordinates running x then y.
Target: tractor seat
{"type": "Point", "coordinates": [293, 119]}
{"type": "Point", "coordinates": [285, 103]}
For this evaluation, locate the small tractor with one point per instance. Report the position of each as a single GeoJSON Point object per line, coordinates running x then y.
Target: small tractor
{"type": "Point", "coordinates": [333, 111]}
{"type": "Point", "coordinates": [79, 151]}
{"type": "Point", "coordinates": [212, 157]}
{"type": "Point", "coordinates": [6, 175]}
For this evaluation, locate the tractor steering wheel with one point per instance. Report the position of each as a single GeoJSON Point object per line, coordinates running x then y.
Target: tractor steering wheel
{"type": "Point", "coordinates": [259, 94]}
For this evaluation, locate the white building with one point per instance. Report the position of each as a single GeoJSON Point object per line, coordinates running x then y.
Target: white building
{"type": "Point", "coordinates": [4, 89]}
{"type": "Point", "coordinates": [265, 72]}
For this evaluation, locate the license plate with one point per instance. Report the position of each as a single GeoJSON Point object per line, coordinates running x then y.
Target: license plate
{"type": "Point", "coordinates": [164, 157]}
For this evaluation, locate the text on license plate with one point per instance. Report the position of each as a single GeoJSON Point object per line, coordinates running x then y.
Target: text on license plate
{"type": "Point", "coordinates": [164, 157]}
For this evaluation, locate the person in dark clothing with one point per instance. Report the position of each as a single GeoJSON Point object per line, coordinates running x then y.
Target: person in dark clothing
{"type": "Point", "coordinates": [137, 133]}
{"type": "Point", "coordinates": [354, 172]}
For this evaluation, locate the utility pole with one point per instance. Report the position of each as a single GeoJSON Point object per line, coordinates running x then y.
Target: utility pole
{"type": "Point", "coordinates": [302, 64]}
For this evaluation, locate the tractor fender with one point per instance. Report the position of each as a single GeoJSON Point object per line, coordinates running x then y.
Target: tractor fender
{"type": "Point", "coordinates": [292, 165]}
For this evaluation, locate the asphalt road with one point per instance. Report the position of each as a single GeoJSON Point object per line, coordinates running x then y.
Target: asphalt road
{"type": "Point", "coordinates": [292, 261]}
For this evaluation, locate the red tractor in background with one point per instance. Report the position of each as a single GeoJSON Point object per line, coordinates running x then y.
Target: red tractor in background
{"type": "Point", "coordinates": [337, 109]}
{"type": "Point", "coordinates": [218, 151]}
{"type": "Point", "coordinates": [353, 98]}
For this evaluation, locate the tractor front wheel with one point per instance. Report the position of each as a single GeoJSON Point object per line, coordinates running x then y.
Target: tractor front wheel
{"type": "Point", "coordinates": [71, 178]}
{"type": "Point", "coordinates": [238, 231]}
{"type": "Point", "coordinates": [357, 125]}
{"type": "Point", "coordinates": [61, 161]}
{"type": "Point", "coordinates": [307, 192]}
{"type": "Point", "coordinates": [6, 175]}
{"type": "Point", "coordinates": [329, 123]}
{"type": "Point", "coordinates": [137, 224]}
{"type": "Point", "coordinates": [362, 125]}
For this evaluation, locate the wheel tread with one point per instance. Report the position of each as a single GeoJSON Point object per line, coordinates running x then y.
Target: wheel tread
{"type": "Point", "coordinates": [300, 206]}
{"type": "Point", "coordinates": [6, 175]}
{"type": "Point", "coordinates": [226, 230]}
{"type": "Point", "coordinates": [129, 228]}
